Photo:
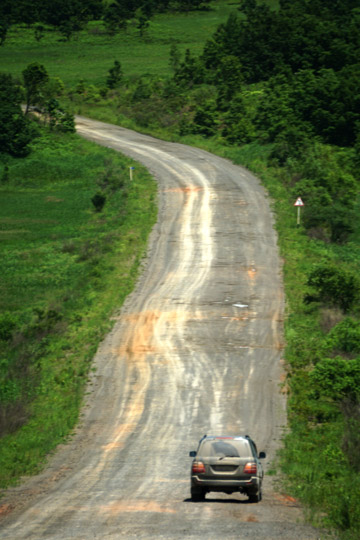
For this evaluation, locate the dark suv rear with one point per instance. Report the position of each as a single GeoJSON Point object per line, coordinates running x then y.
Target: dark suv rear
{"type": "Point", "coordinates": [226, 464]}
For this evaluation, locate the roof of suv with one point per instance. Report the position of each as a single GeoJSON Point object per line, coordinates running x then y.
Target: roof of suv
{"type": "Point", "coordinates": [234, 437]}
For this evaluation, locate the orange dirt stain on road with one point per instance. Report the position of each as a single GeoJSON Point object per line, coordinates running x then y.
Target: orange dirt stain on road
{"type": "Point", "coordinates": [251, 519]}
{"type": "Point", "coordinates": [286, 500]}
{"type": "Point", "coordinates": [136, 506]}
{"type": "Point", "coordinates": [139, 338]}
{"type": "Point", "coordinates": [5, 509]}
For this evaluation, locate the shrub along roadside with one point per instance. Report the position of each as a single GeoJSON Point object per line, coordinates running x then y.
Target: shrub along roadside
{"type": "Point", "coordinates": [66, 268]}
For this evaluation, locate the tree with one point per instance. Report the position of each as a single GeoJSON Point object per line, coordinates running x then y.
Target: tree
{"type": "Point", "coordinates": [142, 21]}
{"type": "Point", "coordinates": [174, 57]}
{"type": "Point", "coordinates": [228, 79]}
{"type": "Point", "coordinates": [98, 200]}
{"type": "Point", "coordinates": [7, 8]}
{"type": "Point", "coordinates": [116, 15]}
{"type": "Point", "coordinates": [333, 287]}
{"type": "Point", "coordinates": [190, 71]}
{"type": "Point", "coordinates": [115, 75]}
{"type": "Point", "coordinates": [4, 27]}
{"type": "Point", "coordinates": [205, 120]}
{"type": "Point", "coordinates": [39, 32]}
{"type": "Point", "coordinates": [15, 133]}
{"type": "Point", "coordinates": [70, 16]}
{"type": "Point", "coordinates": [35, 76]}
{"type": "Point", "coordinates": [237, 125]}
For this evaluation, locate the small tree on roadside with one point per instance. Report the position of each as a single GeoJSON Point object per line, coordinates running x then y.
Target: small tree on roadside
{"type": "Point", "coordinates": [34, 76]}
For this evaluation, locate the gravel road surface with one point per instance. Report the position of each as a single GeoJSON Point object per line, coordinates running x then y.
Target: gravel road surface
{"type": "Point", "coordinates": [196, 349]}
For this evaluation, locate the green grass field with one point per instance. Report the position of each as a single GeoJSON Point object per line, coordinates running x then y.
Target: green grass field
{"type": "Point", "coordinates": [91, 53]}
{"type": "Point", "coordinates": [65, 268]}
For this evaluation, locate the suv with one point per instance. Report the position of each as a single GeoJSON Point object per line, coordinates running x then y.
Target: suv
{"type": "Point", "coordinates": [226, 464]}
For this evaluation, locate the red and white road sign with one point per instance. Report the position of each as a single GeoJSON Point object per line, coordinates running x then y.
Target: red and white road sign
{"type": "Point", "coordinates": [298, 202]}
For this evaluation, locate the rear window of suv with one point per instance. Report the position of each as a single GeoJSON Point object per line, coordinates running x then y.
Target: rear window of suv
{"type": "Point", "coordinates": [221, 448]}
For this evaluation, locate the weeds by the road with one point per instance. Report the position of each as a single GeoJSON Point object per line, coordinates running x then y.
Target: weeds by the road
{"type": "Point", "coordinates": [65, 268]}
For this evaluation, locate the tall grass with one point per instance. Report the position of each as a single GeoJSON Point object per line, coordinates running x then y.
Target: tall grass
{"type": "Point", "coordinates": [65, 268]}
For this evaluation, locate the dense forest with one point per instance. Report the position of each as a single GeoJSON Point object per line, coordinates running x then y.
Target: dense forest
{"type": "Point", "coordinates": [280, 81]}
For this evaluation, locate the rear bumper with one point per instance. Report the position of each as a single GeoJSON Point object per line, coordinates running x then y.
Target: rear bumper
{"type": "Point", "coordinates": [251, 484]}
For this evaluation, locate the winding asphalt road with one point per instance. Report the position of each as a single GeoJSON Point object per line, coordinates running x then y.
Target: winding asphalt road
{"type": "Point", "coordinates": [196, 349]}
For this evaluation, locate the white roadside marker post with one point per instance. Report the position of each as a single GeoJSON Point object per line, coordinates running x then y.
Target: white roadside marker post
{"type": "Point", "coordinates": [299, 204]}
{"type": "Point", "coordinates": [131, 172]}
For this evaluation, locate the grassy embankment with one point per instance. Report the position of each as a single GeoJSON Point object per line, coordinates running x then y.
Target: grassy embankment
{"type": "Point", "coordinates": [65, 268]}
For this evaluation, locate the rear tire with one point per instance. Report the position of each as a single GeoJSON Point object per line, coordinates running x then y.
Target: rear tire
{"type": "Point", "coordinates": [197, 494]}
{"type": "Point", "coordinates": [255, 497]}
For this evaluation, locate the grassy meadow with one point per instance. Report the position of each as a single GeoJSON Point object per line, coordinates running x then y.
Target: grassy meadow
{"type": "Point", "coordinates": [65, 269]}
{"type": "Point", "coordinates": [91, 53]}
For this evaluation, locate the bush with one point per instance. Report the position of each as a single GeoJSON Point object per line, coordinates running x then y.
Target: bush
{"type": "Point", "coordinates": [7, 326]}
{"type": "Point", "coordinates": [337, 379]}
{"type": "Point", "coordinates": [98, 201]}
{"type": "Point", "coordinates": [345, 336]}
{"type": "Point", "coordinates": [333, 286]}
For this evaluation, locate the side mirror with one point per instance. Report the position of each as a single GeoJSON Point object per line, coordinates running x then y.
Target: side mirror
{"type": "Point", "coordinates": [262, 455]}
{"type": "Point", "coordinates": [192, 453]}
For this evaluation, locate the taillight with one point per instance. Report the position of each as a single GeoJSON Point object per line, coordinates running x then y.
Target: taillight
{"type": "Point", "coordinates": [198, 467]}
{"type": "Point", "coordinates": [250, 468]}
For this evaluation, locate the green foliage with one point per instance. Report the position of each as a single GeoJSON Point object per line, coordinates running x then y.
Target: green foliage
{"type": "Point", "coordinates": [63, 271]}
{"type": "Point", "coordinates": [337, 378]}
{"type": "Point", "coordinates": [98, 200]}
{"type": "Point", "coordinates": [333, 286]}
{"type": "Point", "coordinates": [34, 76]}
{"type": "Point", "coordinates": [116, 15]}
{"type": "Point", "coordinates": [309, 59]}
{"type": "Point", "coordinates": [345, 336]}
{"type": "Point", "coordinates": [70, 16]}
{"type": "Point", "coordinates": [115, 75]}
{"type": "Point", "coordinates": [174, 57]}
{"type": "Point", "coordinates": [205, 119]}
{"type": "Point", "coordinates": [7, 326]}
{"type": "Point", "coordinates": [16, 132]}
{"type": "Point", "coordinates": [190, 71]}
{"type": "Point", "coordinates": [142, 21]}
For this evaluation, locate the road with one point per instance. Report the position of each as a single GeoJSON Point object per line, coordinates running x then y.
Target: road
{"type": "Point", "coordinates": [197, 348]}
